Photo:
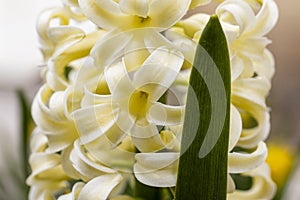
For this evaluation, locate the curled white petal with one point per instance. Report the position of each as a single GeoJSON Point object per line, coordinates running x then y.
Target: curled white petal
{"type": "Point", "coordinates": [85, 166]}
{"type": "Point", "coordinates": [146, 138]}
{"type": "Point", "coordinates": [135, 7]}
{"type": "Point", "coordinates": [51, 118]}
{"type": "Point", "coordinates": [158, 72]}
{"type": "Point", "coordinates": [196, 3]}
{"type": "Point", "coordinates": [92, 122]}
{"type": "Point", "coordinates": [235, 127]}
{"type": "Point", "coordinates": [100, 187]}
{"type": "Point", "coordinates": [118, 81]}
{"type": "Point", "coordinates": [239, 11]}
{"type": "Point", "coordinates": [75, 192]}
{"type": "Point", "coordinates": [166, 115]}
{"type": "Point", "coordinates": [151, 167]}
{"type": "Point", "coordinates": [263, 187]}
{"type": "Point", "coordinates": [266, 18]}
{"type": "Point", "coordinates": [230, 184]}
{"type": "Point", "coordinates": [242, 162]}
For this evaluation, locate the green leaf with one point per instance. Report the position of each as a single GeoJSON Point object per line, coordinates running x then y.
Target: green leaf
{"type": "Point", "coordinates": [25, 133]}
{"type": "Point", "coordinates": [202, 172]}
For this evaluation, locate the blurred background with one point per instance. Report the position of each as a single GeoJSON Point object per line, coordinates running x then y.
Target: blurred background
{"type": "Point", "coordinates": [20, 58]}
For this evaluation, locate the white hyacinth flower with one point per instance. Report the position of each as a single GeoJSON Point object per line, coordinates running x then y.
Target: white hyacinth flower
{"type": "Point", "coordinates": [104, 127]}
{"type": "Point", "coordinates": [134, 107]}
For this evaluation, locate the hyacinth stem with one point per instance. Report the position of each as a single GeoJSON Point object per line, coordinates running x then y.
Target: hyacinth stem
{"type": "Point", "coordinates": [204, 175]}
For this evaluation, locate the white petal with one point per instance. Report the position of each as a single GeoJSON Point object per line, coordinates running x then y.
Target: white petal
{"type": "Point", "coordinates": [255, 89]}
{"type": "Point", "coordinates": [158, 72]}
{"type": "Point", "coordinates": [177, 93]}
{"type": "Point", "coordinates": [67, 164]}
{"type": "Point", "coordinates": [118, 81]}
{"type": "Point", "coordinates": [232, 32]}
{"type": "Point", "coordinates": [42, 161]}
{"type": "Point", "coordinates": [71, 2]}
{"type": "Point", "coordinates": [241, 12]}
{"type": "Point", "coordinates": [146, 138]}
{"type": "Point", "coordinates": [266, 18]}
{"type": "Point", "coordinates": [39, 193]}
{"type": "Point", "coordinates": [154, 39]}
{"type": "Point", "coordinates": [143, 42]}
{"type": "Point", "coordinates": [91, 98]}
{"type": "Point", "coordinates": [237, 67]}
{"type": "Point", "coordinates": [80, 151]}
{"type": "Point", "coordinates": [253, 135]}
{"type": "Point", "coordinates": [104, 13]}
{"type": "Point", "coordinates": [266, 66]}
{"type": "Point", "coordinates": [251, 47]}
{"type": "Point", "coordinates": [165, 115]}
{"type": "Point", "coordinates": [87, 169]}
{"type": "Point", "coordinates": [263, 187]}
{"type": "Point", "coordinates": [92, 122]}
{"type": "Point", "coordinates": [230, 184]}
{"type": "Point", "coordinates": [196, 3]}
{"type": "Point", "coordinates": [242, 162]}
{"type": "Point", "coordinates": [119, 130]}
{"type": "Point", "coordinates": [110, 48]}
{"type": "Point", "coordinates": [136, 52]}
{"type": "Point", "coordinates": [100, 187]}
{"type": "Point", "coordinates": [134, 7]}
{"type": "Point", "coordinates": [235, 127]}
{"type": "Point", "coordinates": [167, 12]}
{"type": "Point", "coordinates": [65, 36]}
{"type": "Point", "coordinates": [43, 24]}
{"type": "Point", "coordinates": [75, 192]}
{"type": "Point", "coordinates": [55, 82]}
{"type": "Point", "coordinates": [156, 169]}
{"type": "Point", "coordinates": [120, 158]}
{"type": "Point", "coordinates": [63, 56]}
{"type": "Point", "coordinates": [194, 24]}
{"type": "Point", "coordinates": [52, 120]}
{"type": "Point", "coordinates": [38, 141]}
{"type": "Point", "coordinates": [144, 131]}
{"type": "Point", "coordinates": [45, 166]}
{"type": "Point", "coordinates": [59, 140]}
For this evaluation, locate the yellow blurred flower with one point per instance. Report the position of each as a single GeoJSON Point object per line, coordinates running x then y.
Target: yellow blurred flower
{"type": "Point", "coordinates": [281, 160]}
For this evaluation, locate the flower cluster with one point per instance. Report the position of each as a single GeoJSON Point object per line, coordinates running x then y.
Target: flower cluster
{"type": "Point", "coordinates": [111, 109]}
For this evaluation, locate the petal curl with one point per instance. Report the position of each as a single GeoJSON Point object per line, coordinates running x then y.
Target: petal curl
{"type": "Point", "coordinates": [237, 12]}
{"type": "Point", "coordinates": [166, 115]}
{"type": "Point", "coordinates": [100, 187]}
{"type": "Point", "coordinates": [242, 162]}
{"type": "Point", "coordinates": [151, 167]}
{"type": "Point", "coordinates": [135, 7]}
{"type": "Point", "coordinates": [158, 72]}
{"type": "Point", "coordinates": [263, 186]}
{"type": "Point", "coordinates": [235, 127]}
{"type": "Point", "coordinates": [266, 18]}
{"type": "Point", "coordinates": [92, 122]}
{"type": "Point", "coordinates": [146, 138]}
